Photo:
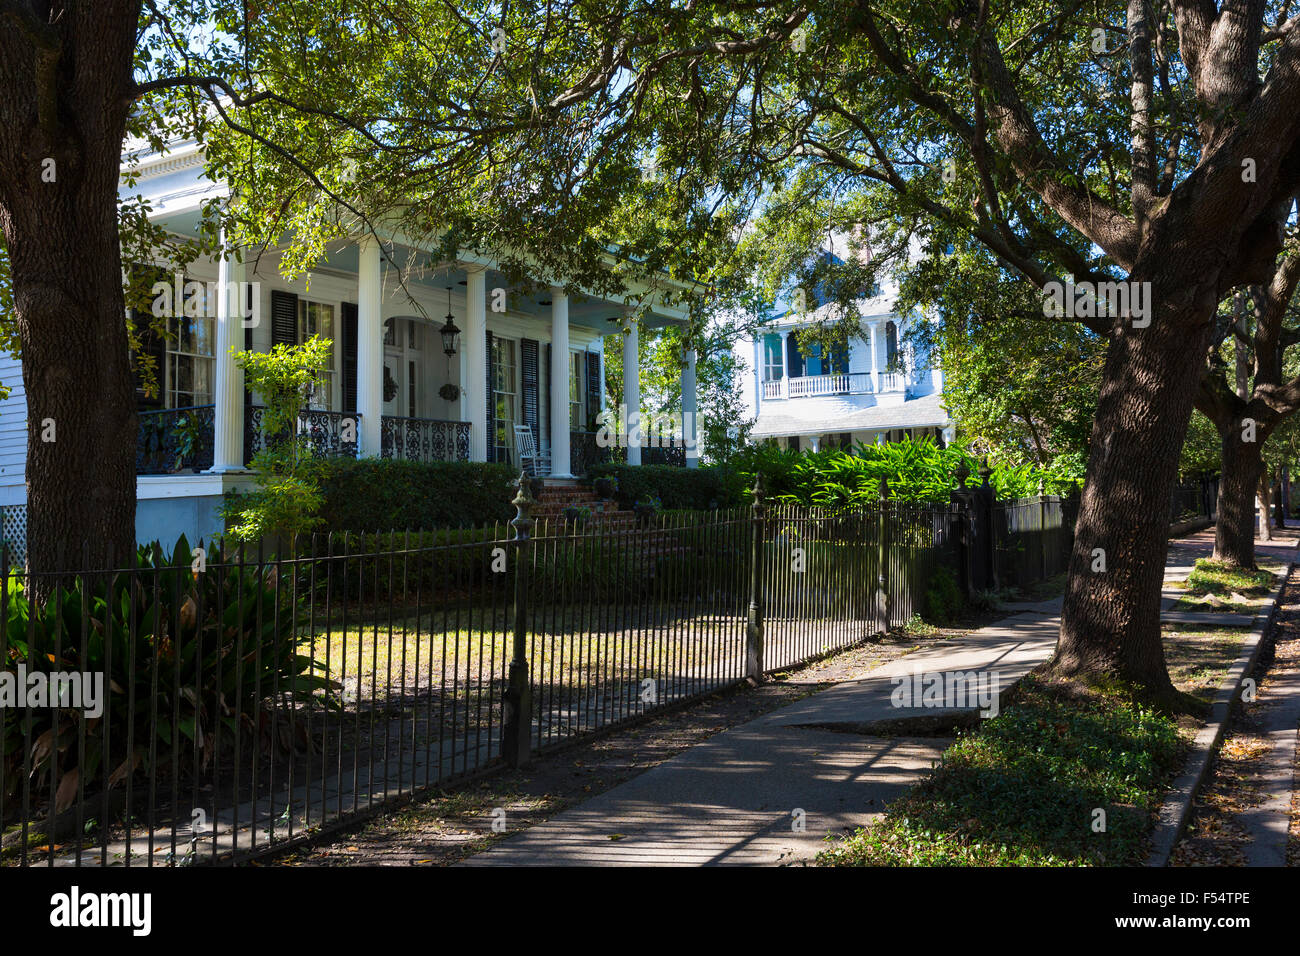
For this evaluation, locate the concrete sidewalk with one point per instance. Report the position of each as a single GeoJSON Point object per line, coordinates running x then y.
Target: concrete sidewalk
{"type": "Point", "coordinates": [771, 791]}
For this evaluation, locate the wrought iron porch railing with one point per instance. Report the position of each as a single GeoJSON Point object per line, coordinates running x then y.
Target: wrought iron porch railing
{"type": "Point", "coordinates": [584, 452]}
{"type": "Point", "coordinates": [327, 434]}
{"type": "Point", "coordinates": [173, 440]}
{"type": "Point", "coordinates": [423, 439]}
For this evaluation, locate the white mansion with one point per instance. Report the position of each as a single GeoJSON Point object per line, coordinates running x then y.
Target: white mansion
{"type": "Point", "coordinates": [882, 388]}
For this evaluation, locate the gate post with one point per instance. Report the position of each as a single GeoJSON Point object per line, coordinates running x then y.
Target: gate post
{"type": "Point", "coordinates": [517, 702]}
{"type": "Point", "coordinates": [977, 503]}
{"type": "Point", "coordinates": [988, 551]}
{"type": "Point", "coordinates": [882, 560]}
{"type": "Point", "coordinates": [960, 500]}
{"type": "Point", "coordinates": [754, 625]}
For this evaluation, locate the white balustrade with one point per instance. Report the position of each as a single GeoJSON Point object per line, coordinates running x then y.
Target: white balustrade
{"type": "Point", "coordinates": [808, 386]}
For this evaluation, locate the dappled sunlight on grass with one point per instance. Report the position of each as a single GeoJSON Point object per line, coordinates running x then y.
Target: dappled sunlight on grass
{"type": "Point", "coordinates": [1026, 789]}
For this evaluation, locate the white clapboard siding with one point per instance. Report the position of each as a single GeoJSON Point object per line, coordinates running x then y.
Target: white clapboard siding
{"type": "Point", "coordinates": [13, 422]}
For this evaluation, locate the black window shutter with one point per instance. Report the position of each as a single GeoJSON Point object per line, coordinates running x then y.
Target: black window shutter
{"type": "Point", "coordinates": [528, 368]}
{"type": "Point", "coordinates": [594, 386]}
{"type": "Point", "coordinates": [349, 331]}
{"type": "Point", "coordinates": [491, 402]}
{"type": "Point", "coordinates": [550, 386]}
{"type": "Point", "coordinates": [248, 311]}
{"type": "Point", "coordinates": [794, 442]}
{"type": "Point", "coordinates": [284, 318]}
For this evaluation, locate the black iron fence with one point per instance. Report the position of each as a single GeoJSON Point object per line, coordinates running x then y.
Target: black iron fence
{"type": "Point", "coordinates": [1031, 540]}
{"type": "Point", "coordinates": [212, 704]}
{"type": "Point", "coordinates": [207, 705]}
{"type": "Point", "coordinates": [1194, 501]}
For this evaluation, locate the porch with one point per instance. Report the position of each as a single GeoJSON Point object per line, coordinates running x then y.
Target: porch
{"type": "Point", "coordinates": [181, 440]}
{"type": "Point", "coordinates": [534, 360]}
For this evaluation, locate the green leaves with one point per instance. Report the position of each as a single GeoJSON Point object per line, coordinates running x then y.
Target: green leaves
{"type": "Point", "coordinates": [210, 647]}
{"type": "Point", "coordinates": [915, 471]}
{"type": "Point", "coordinates": [288, 493]}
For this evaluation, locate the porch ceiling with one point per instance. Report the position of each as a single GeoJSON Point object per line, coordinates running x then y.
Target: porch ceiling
{"type": "Point", "coordinates": [592, 312]}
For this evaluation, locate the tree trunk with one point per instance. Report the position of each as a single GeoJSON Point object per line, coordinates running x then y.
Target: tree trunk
{"type": "Point", "coordinates": [60, 151]}
{"type": "Point", "coordinates": [1234, 531]}
{"type": "Point", "coordinates": [1110, 626]}
{"type": "Point", "coordinates": [1265, 500]}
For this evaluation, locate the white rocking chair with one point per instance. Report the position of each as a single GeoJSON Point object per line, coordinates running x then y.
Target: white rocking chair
{"type": "Point", "coordinates": [526, 449]}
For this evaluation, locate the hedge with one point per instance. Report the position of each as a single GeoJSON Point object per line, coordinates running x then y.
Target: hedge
{"type": "Point", "coordinates": [376, 494]}
{"type": "Point", "coordinates": [699, 489]}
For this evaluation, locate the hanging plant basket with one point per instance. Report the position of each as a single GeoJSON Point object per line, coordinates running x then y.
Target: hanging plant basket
{"type": "Point", "coordinates": [449, 392]}
{"type": "Point", "coordinates": [390, 385]}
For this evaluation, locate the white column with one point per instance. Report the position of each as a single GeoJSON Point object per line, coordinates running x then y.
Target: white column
{"type": "Point", "coordinates": [632, 390]}
{"type": "Point", "coordinates": [874, 330]}
{"type": "Point", "coordinates": [474, 341]}
{"type": "Point", "coordinates": [370, 347]}
{"type": "Point", "coordinates": [228, 395]}
{"type": "Point", "coordinates": [560, 360]}
{"type": "Point", "coordinates": [785, 364]}
{"type": "Point", "coordinates": [690, 409]}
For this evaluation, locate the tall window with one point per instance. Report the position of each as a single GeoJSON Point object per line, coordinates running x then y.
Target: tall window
{"type": "Point", "coordinates": [773, 371]}
{"type": "Point", "coordinates": [317, 318]}
{"type": "Point", "coordinates": [189, 361]}
{"type": "Point", "coordinates": [505, 395]}
{"type": "Point", "coordinates": [577, 421]}
{"type": "Point", "coordinates": [893, 361]}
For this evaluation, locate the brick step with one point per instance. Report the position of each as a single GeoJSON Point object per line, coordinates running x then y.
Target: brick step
{"type": "Point", "coordinates": [568, 497]}
{"type": "Point", "coordinates": [595, 507]}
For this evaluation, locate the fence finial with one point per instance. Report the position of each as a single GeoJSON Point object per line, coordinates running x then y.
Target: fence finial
{"type": "Point", "coordinates": [984, 472]}
{"type": "Point", "coordinates": [522, 522]}
{"type": "Point", "coordinates": [961, 473]}
{"type": "Point", "coordinates": [758, 491]}
{"type": "Point", "coordinates": [884, 487]}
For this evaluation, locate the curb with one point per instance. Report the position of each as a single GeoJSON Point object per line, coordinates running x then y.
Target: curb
{"type": "Point", "coordinates": [1173, 814]}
